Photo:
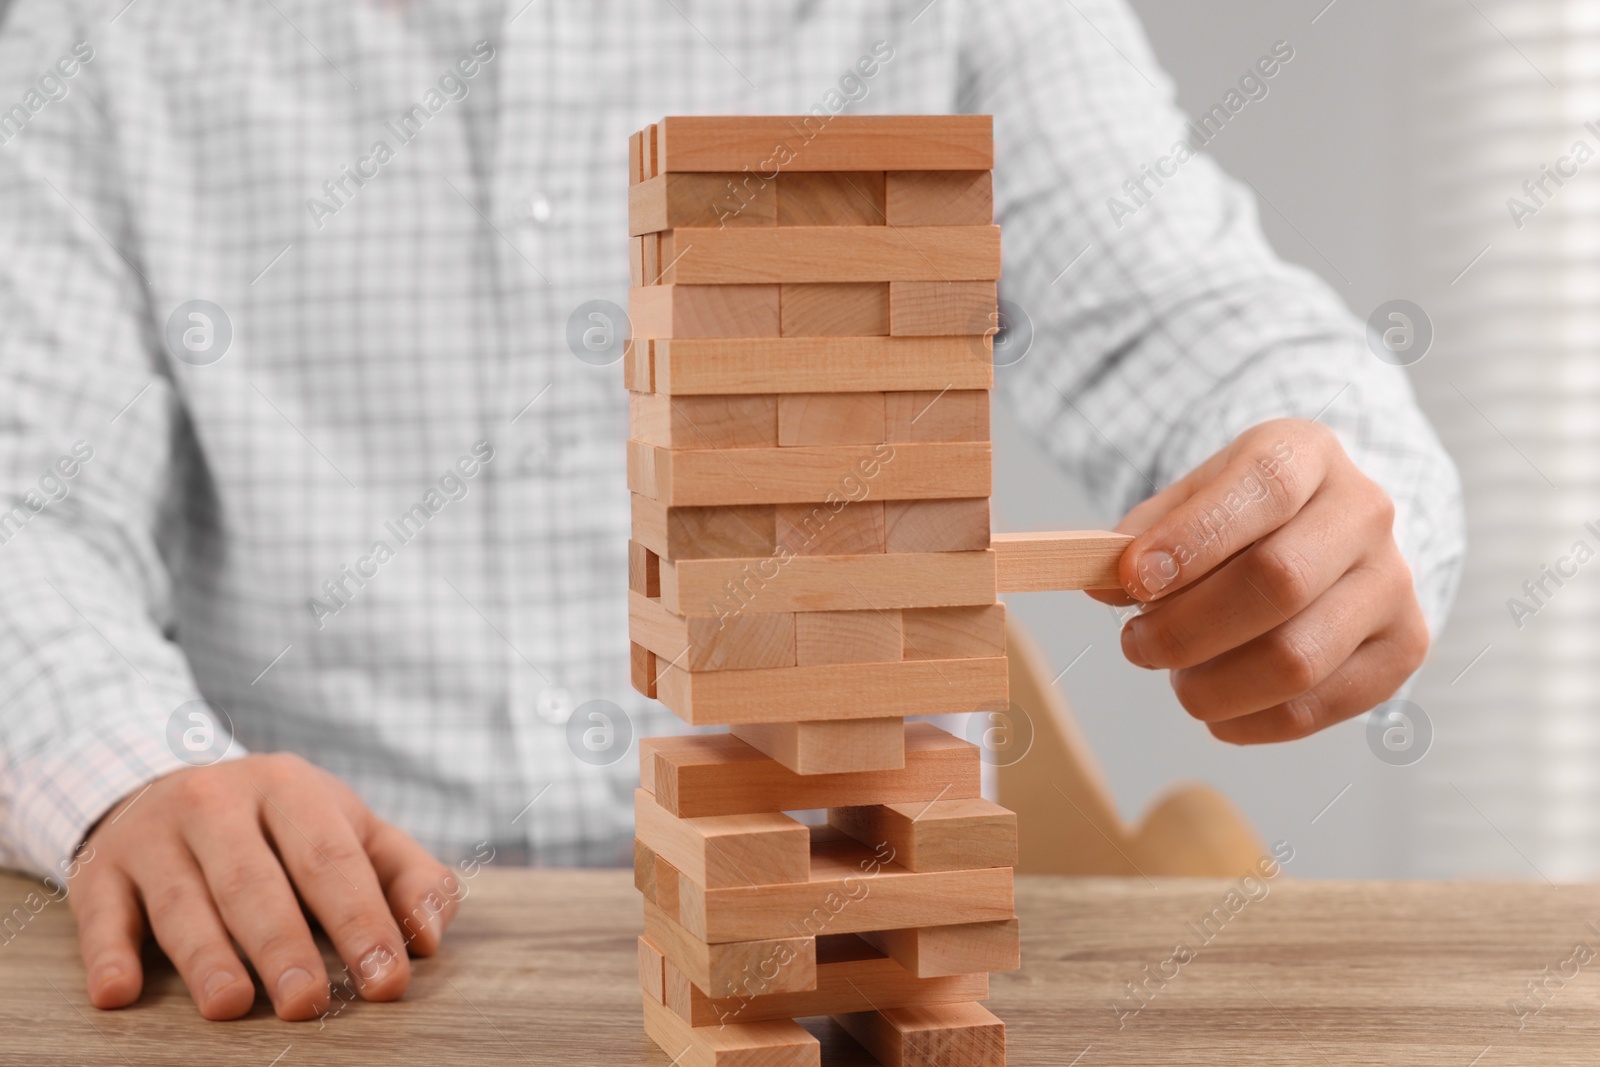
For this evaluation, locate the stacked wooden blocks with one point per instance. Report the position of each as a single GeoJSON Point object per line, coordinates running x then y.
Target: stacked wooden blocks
{"type": "Point", "coordinates": [809, 373]}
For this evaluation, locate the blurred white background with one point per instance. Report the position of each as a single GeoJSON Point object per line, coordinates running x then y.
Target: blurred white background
{"type": "Point", "coordinates": [1388, 149]}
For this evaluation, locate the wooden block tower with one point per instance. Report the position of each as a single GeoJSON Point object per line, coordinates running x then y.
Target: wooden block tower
{"type": "Point", "coordinates": [813, 309]}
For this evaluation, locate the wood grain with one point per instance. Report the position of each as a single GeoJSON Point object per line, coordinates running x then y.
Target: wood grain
{"type": "Point", "coordinates": [833, 746]}
{"type": "Point", "coordinates": [707, 643]}
{"type": "Point", "coordinates": [717, 774]}
{"type": "Point", "coordinates": [718, 851]}
{"type": "Point", "coordinates": [804, 474]}
{"type": "Point", "coordinates": [939, 198]}
{"type": "Point", "coordinates": [815, 364]}
{"type": "Point", "coordinates": [833, 691]}
{"type": "Point", "coordinates": [851, 976]}
{"type": "Point", "coordinates": [829, 583]}
{"type": "Point", "coordinates": [656, 311]}
{"type": "Point", "coordinates": [852, 888]}
{"type": "Point", "coordinates": [757, 254]}
{"type": "Point", "coordinates": [540, 967]}
{"type": "Point", "coordinates": [783, 143]}
{"type": "Point", "coordinates": [673, 200]}
{"type": "Point", "coordinates": [1074, 559]}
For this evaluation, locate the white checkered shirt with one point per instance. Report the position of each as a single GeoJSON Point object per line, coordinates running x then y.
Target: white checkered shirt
{"type": "Point", "coordinates": [380, 329]}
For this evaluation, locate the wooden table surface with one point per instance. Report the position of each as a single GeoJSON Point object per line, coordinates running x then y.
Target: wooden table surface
{"type": "Point", "coordinates": [540, 969]}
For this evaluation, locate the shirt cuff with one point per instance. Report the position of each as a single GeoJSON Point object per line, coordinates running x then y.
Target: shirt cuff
{"type": "Point", "coordinates": [61, 791]}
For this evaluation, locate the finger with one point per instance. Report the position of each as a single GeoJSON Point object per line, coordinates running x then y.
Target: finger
{"type": "Point", "coordinates": [327, 863]}
{"type": "Point", "coordinates": [423, 893]}
{"type": "Point", "coordinates": [258, 904]}
{"type": "Point", "coordinates": [1293, 657]}
{"type": "Point", "coordinates": [1369, 677]}
{"type": "Point", "coordinates": [186, 925]}
{"type": "Point", "coordinates": [1274, 579]}
{"type": "Point", "coordinates": [1147, 511]}
{"type": "Point", "coordinates": [110, 931]}
{"type": "Point", "coordinates": [1262, 485]}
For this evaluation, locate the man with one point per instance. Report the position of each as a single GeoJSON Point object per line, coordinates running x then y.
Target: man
{"type": "Point", "coordinates": [296, 440]}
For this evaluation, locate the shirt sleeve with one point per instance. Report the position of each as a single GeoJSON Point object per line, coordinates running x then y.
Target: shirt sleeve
{"type": "Point", "coordinates": [1162, 324]}
{"type": "Point", "coordinates": [91, 432]}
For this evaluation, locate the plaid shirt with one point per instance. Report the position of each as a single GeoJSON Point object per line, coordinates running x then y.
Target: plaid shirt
{"type": "Point", "coordinates": [367, 502]}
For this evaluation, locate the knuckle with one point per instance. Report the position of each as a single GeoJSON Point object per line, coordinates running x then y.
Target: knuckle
{"type": "Point", "coordinates": [204, 789]}
{"type": "Point", "coordinates": [241, 881]}
{"type": "Point", "coordinates": [330, 856]}
{"type": "Point", "coordinates": [1294, 660]}
{"type": "Point", "coordinates": [167, 900]}
{"type": "Point", "coordinates": [1301, 717]}
{"type": "Point", "coordinates": [1283, 576]}
{"type": "Point", "coordinates": [1164, 643]}
{"type": "Point", "coordinates": [1195, 697]}
{"type": "Point", "coordinates": [282, 948]}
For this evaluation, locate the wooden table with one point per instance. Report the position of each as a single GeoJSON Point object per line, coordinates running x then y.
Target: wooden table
{"type": "Point", "coordinates": [540, 969]}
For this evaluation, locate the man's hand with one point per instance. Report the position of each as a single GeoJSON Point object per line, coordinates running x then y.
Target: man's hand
{"type": "Point", "coordinates": [1273, 586]}
{"type": "Point", "coordinates": [216, 852]}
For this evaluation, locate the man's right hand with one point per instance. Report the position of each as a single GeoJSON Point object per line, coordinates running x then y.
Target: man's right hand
{"type": "Point", "coordinates": [210, 853]}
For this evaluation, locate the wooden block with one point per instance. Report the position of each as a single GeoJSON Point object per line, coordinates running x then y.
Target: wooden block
{"type": "Point", "coordinates": [704, 310]}
{"type": "Point", "coordinates": [847, 637]}
{"type": "Point", "coordinates": [718, 774]}
{"type": "Point", "coordinates": [834, 309]}
{"type": "Point", "coordinates": [635, 157]}
{"type": "Point", "coordinates": [719, 851]}
{"type": "Point", "coordinates": [945, 835]}
{"type": "Point", "coordinates": [830, 418]}
{"type": "Point", "coordinates": [936, 525]}
{"type": "Point", "coordinates": [830, 198]}
{"type": "Point", "coordinates": [708, 643]}
{"type": "Point", "coordinates": [954, 633]}
{"type": "Point", "coordinates": [936, 308]}
{"type": "Point", "coordinates": [750, 968]}
{"type": "Point", "coordinates": [946, 415]}
{"type": "Point", "coordinates": [703, 421]}
{"type": "Point", "coordinates": [753, 255]}
{"type": "Point", "coordinates": [1076, 559]}
{"type": "Point", "coordinates": [667, 881]}
{"type": "Point", "coordinates": [652, 152]}
{"type": "Point", "coordinates": [845, 528]}
{"type": "Point", "coordinates": [851, 889]}
{"type": "Point", "coordinates": [829, 747]}
{"type": "Point", "coordinates": [834, 364]}
{"type": "Point", "coordinates": [671, 201]}
{"type": "Point", "coordinates": [805, 474]}
{"type": "Point", "coordinates": [930, 1036]}
{"type": "Point", "coordinates": [834, 691]}
{"type": "Point", "coordinates": [637, 275]}
{"type": "Point", "coordinates": [639, 365]}
{"type": "Point", "coordinates": [644, 570]}
{"type": "Point", "coordinates": [838, 142]}
{"type": "Point", "coordinates": [939, 198]}
{"type": "Point", "coordinates": [642, 670]}
{"type": "Point", "coordinates": [828, 583]}
{"type": "Point", "coordinates": [962, 948]}
{"type": "Point", "coordinates": [644, 870]}
{"type": "Point", "coordinates": [655, 878]}
{"type": "Point", "coordinates": [653, 971]}
{"type": "Point", "coordinates": [780, 1043]}
{"type": "Point", "coordinates": [704, 532]}
{"type": "Point", "coordinates": [851, 976]}
{"type": "Point", "coordinates": [647, 259]}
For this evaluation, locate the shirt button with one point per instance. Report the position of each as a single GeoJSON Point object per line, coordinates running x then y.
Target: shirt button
{"type": "Point", "coordinates": [553, 705]}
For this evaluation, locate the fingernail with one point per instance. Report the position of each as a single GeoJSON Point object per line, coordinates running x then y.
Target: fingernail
{"type": "Point", "coordinates": [216, 984]}
{"type": "Point", "coordinates": [292, 981]}
{"type": "Point", "coordinates": [108, 974]}
{"type": "Point", "coordinates": [377, 963]}
{"type": "Point", "coordinates": [1155, 571]}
